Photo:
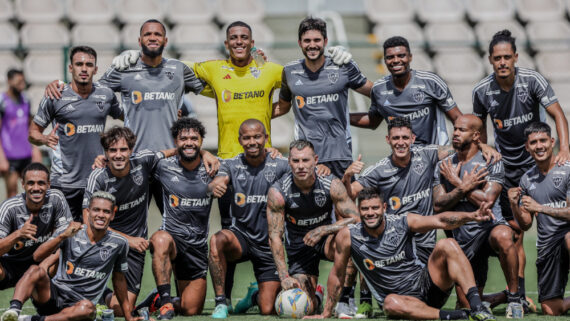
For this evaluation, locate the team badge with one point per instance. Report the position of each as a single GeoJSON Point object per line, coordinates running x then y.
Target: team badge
{"type": "Point", "coordinates": [169, 74]}
{"type": "Point", "coordinates": [419, 167]}
{"type": "Point", "coordinates": [137, 178]}
{"type": "Point", "coordinates": [392, 239]}
{"type": "Point", "coordinates": [418, 96]}
{"type": "Point", "coordinates": [557, 180]}
{"type": "Point", "coordinates": [333, 77]}
{"type": "Point", "coordinates": [203, 175]}
{"type": "Point", "coordinates": [255, 72]}
{"type": "Point", "coordinates": [104, 253]}
{"type": "Point", "coordinates": [100, 106]}
{"type": "Point", "coordinates": [320, 199]}
{"type": "Point", "coordinates": [44, 216]}
{"type": "Point", "coordinates": [269, 176]}
{"type": "Point", "coordinates": [522, 94]}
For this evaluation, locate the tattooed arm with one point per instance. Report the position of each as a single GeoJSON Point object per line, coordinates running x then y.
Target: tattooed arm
{"type": "Point", "coordinates": [443, 201]}
{"type": "Point", "coordinates": [533, 207]}
{"type": "Point", "coordinates": [448, 220]}
{"type": "Point", "coordinates": [444, 151]}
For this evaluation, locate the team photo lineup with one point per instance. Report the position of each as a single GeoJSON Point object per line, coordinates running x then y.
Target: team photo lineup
{"type": "Point", "coordinates": [74, 242]}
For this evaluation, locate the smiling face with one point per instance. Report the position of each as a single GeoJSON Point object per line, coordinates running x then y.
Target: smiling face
{"type": "Point", "coordinates": [539, 145]}
{"type": "Point", "coordinates": [400, 139]}
{"type": "Point", "coordinates": [239, 44]}
{"type": "Point", "coordinates": [313, 44]}
{"type": "Point", "coordinates": [252, 138]}
{"type": "Point", "coordinates": [503, 60]}
{"type": "Point", "coordinates": [118, 155]}
{"type": "Point", "coordinates": [82, 68]}
{"type": "Point", "coordinates": [188, 143]}
{"type": "Point", "coordinates": [372, 212]}
{"type": "Point", "coordinates": [397, 60]}
{"type": "Point", "coordinates": [100, 213]}
{"type": "Point", "coordinates": [36, 184]}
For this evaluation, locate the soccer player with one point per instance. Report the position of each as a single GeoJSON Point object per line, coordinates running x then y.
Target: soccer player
{"type": "Point", "coordinates": [251, 174]}
{"type": "Point", "coordinates": [181, 244]}
{"type": "Point", "coordinates": [27, 220]}
{"type": "Point", "coordinates": [515, 97]}
{"type": "Point", "coordinates": [77, 120]}
{"type": "Point", "coordinates": [88, 255]}
{"type": "Point", "coordinates": [421, 96]}
{"type": "Point", "coordinates": [15, 150]}
{"type": "Point", "coordinates": [544, 193]}
{"type": "Point", "coordinates": [301, 204]}
{"type": "Point", "coordinates": [382, 248]}
{"type": "Point", "coordinates": [461, 183]}
{"type": "Point", "coordinates": [318, 89]}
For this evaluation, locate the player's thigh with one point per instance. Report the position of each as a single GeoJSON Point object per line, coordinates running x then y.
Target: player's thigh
{"type": "Point", "coordinates": [501, 238]}
{"type": "Point", "coordinates": [162, 242]}
{"type": "Point", "coordinates": [228, 242]}
{"type": "Point", "coordinates": [193, 295]}
{"type": "Point", "coordinates": [396, 305]}
{"type": "Point", "coordinates": [329, 247]}
{"type": "Point", "coordinates": [268, 292]}
{"type": "Point", "coordinates": [82, 310]}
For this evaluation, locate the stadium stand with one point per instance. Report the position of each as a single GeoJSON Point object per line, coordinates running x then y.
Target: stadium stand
{"type": "Point", "coordinates": [382, 11]}
{"type": "Point", "coordinates": [135, 11]}
{"type": "Point", "coordinates": [408, 30]}
{"type": "Point", "coordinates": [90, 11]}
{"type": "Point", "coordinates": [44, 36]}
{"type": "Point", "coordinates": [490, 10]}
{"type": "Point", "coordinates": [245, 10]}
{"type": "Point", "coordinates": [100, 36]}
{"type": "Point", "coordinates": [449, 36]}
{"type": "Point", "coordinates": [440, 10]}
{"type": "Point", "coordinates": [459, 67]}
{"type": "Point", "coordinates": [6, 10]}
{"type": "Point", "coordinates": [39, 11]}
{"type": "Point", "coordinates": [197, 36]}
{"type": "Point", "coordinates": [543, 10]}
{"type": "Point", "coordinates": [11, 39]}
{"type": "Point", "coordinates": [549, 35]}
{"type": "Point", "coordinates": [194, 11]}
{"type": "Point", "coordinates": [486, 29]}
{"type": "Point", "coordinates": [42, 67]}
{"type": "Point", "coordinates": [8, 61]}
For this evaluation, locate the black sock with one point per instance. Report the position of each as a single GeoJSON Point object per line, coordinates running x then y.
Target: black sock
{"type": "Point", "coordinates": [220, 299]}
{"type": "Point", "coordinates": [452, 315]}
{"type": "Point", "coordinates": [513, 297]}
{"type": "Point", "coordinates": [365, 296]}
{"type": "Point", "coordinates": [254, 298]}
{"type": "Point", "coordinates": [16, 304]}
{"type": "Point", "coordinates": [344, 295]}
{"type": "Point", "coordinates": [38, 317]}
{"type": "Point", "coordinates": [229, 281]}
{"type": "Point", "coordinates": [164, 291]}
{"type": "Point", "coordinates": [474, 298]}
{"type": "Point", "coordinates": [522, 291]}
{"type": "Point", "coordinates": [106, 293]}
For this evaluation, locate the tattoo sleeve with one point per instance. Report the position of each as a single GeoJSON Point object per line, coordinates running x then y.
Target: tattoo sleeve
{"type": "Point", "coordinates": [344, 206]}
{"type": "Point", "coordinates": [444, 151]}
{"type": "Point", "coordinates": [444, 201]}
{"type": "Point", "coordinates": [451, 220]}
{"type": "Point", "coordinates": [276, 227]}
{"type": "Point", "coordinates": [559, 213]}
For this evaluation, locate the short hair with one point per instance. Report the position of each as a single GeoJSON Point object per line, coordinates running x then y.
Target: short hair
{"type": "Point", "coordinates": [312, 23]}
{"type": "Point", "coordinates": [502, 36]}
{"type": "Point", "coordinates": [398, 122]}
{"type": "Point", "coordinates": [12, 72]}
{"type": "Point", "coordinates": [369, 193]}
{"type": "Point", "coordinates": [251, 122]}
{"type": "Point", "coordinates": [35, 167]}
{"type": "Point", "coordinates": [86, 49]}
{"type": "Point", "coordinates": [301, 144]}
{"type": "Point", "coordinates": [103, 195]}
{"type": "Point", "coordinates": [153, 21]}
{"type": "Point", "coordinates": [115, 134]}
{"type": "Point", "coordinates": [396, 41]}
{"type": "Point", "coordinates": [537, 127]}
{"type": "Point", "coordinates": [187, 123]}
{"type": "Point", "coordinates": [238, 24]}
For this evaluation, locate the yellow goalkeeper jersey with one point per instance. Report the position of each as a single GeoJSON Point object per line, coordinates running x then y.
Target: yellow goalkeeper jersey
{"type": "Point", "coordinates": [241, 93]}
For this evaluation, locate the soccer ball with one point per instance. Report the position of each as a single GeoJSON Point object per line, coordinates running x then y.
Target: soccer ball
{"type": "Point", "coordinates": [293, 303]}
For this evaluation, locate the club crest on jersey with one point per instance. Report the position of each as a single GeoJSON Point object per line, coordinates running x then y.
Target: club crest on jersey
{"type": "Point", "coordinates": [557, 180]}
{"type": "Point", "coordinates": [320, 199]}
{"type": "Point", "coordinates": [100, 106]}
{"type": "Point", "coordinates": [138, 177]}
{"type": "Point", "coordinates": [419, 168]}
{"type": "Point", "coordinates": [255, 72]}
{"type": "Point", "coordinates": [203, 175]}
{"type": "Point", "coordinates": [269, 176]}
{"type": "Point", "coordinates": [333, 77]}
{"type": "Point", "coordinates": [104, 253]}
{"type": "Point", "coordinates": [44, 216]}
{"type": "Point", "coordinates": [169, 74]}
{"type": "Point", "coordinates": [418, 96]}
{"type": "Point", "coordinates": [522, 94]}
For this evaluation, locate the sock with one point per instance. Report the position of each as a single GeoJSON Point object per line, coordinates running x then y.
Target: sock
{"type": "Point", "coordinates": [474, 298]}
{"type": "Point", "coordinates": [452, 315]}
{"type": "Point", "coordinates": [522, 291]}
{"type": "Point", "coordinates": [513, 297]}
{"type": "Point", "coordinates": [319, 297]}
{"type": "Point", "coordinates": [38, 317]}
{"type": "Point", "coordinates": [254, 298]}
{"type": "Point", "coordinates": [344, 295]}
{"type": "Point", "coordinates": [229, 283]}
{"type": "Point", "coordinates": [16, 304]}
{"type": "Point", "coordinates": [164, 291]}
{"type": "Point", "coordinates": [220, 299]}
{"type": "Point", "coordinates": [365, 296]}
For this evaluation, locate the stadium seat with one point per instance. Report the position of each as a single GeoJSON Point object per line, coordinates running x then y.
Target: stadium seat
{"type": "Point", "coordinates": [543, 10]}
{"type": "Point", "coordinates": [421, 61]}
{"type": "Point", "coordinates": [554, 65]}
{"type": "Point", "coordinates": [382, 11]}
{"type": "Point", "coordinates": [486, 29]}
{"type": "Point", "coordinates": [98, 36]}
{"type": "Point", "coordinates": [9, 61]}
{"type": "Point", "coordinates": [104, 59]}
{"type": "Point", "coordinates": [190, 11]}
{"type": "Point", "coordinates": [563, 94]}
{"type": "Point", "coordinates": [461, 67]}
{"type": "Point", "coordinates": [138, 11]}
{"type": "Point", "coordinates": [249, 11]}
{"type": "Point", "coordinates": [440, 10]}
{"type": "Point", "coordinates": [44, 36]}
{"type": "Point", "coordinates": [90, 11]}
{"type": "Point", "coordinates": [549, 35]}
{"type": "Point", "coordinates": [211, 140]}
{"type": "Point", "coordinates": [130, 35]}
{"type": "Point", "coordinates": [200, 55]}
{"type": "Point", "coordinates": [490, 10]}
{"type": "Point", "coordinates": [410, 31]}
{"type": "Point", "coordinates": [11, 39]}
{"type": "Point", "coordinates": [6, 10]}
{"type": "Point", "coordinates": [462, 93]}
{"type": "Point", "coordinates": [39, 11]}
{"type": "Point", "coordinates": [195, 36]}
{"type": "Point", "coordinates": [524, 60]}
{"type": "Point", "coordinates": [42, 67]}
{"type": "Point", "coordinates": [449, 36]}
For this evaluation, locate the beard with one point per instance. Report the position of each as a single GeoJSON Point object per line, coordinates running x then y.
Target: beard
{"type": "Point", "coordinates": [152, 53]}
{"type": "Point", "coordinates": [188, 158]}
{"type": "Point", "coordinates": [461, 146]}
{"type": "Point", "coordinates": [375, 225]}
{"type": "Point", "coordinates": [321, 53]}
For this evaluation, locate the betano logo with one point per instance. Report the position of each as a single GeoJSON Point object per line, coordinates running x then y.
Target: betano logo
{"type": "Point", "coordinates": [394, 202]}
{"type": "Point", "coordinates": [517, 120]}
{"type": "Point", "coordinates": [369, 264]}
{"type": "Point", "coordinates": [70, 267]}
{"type": "Point", "coordinates": [69, 129]}
{"type": "Point", "coordinates": [313, 100]}
{"type": "Point", "coordinates": [137, 97]}
{"type": "Point", "coordinates": [240, 199]}
{"type": "Point", "coordinates": [174, 201]}
{"type": "Point", "coordinates": [228, 95]}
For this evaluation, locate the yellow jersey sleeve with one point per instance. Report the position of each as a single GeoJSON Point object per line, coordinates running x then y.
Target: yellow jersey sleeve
{"type": "Point", "coordinates": [208, 91]}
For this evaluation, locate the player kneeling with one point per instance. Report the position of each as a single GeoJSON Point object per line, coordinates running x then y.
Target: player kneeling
{"type": "Point", "coordinates": [88, 255]}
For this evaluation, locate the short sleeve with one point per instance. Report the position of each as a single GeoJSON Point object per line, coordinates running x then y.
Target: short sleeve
{"type": "Point", "coordinates": [285, 92]}
{"type": "Point", "coordinates": [115, 111]}
{"type": "Point", "coordinates": [370, 177]}
{"type": "Point", "coordinates": [5, 221]}
{"type": "Point", "coordinates": [437, 179]}
{"type": "Point", "coordinates": [442, 94]}
{"type": "Point", "coordinates": [496, 173]}
{"type": "Point", "coordinates": [225, 168]}
{"type": "Point", "coordinates": [62, 215]}
{"type": "Point", "coordinates": [479, 109]}
{"type": "Point", "coordinates": [542, 90]}
{"type": "Point", "coordinates": [121, 264]}
{"type": "Point", "coordinates": [191, 82]}
{"type": "Point", "coordinates": [45, 113]}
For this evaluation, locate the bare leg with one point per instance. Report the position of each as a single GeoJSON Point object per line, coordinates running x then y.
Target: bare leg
{"type": "Point", "coordinates": [555, 306]}
{"type": "Point", "coordinates": [448, 265]}
{"type": "Point", "coordinates": [407, 307]}
{"type": "Point", "coordinates": [501, 240]}
{"type": "Point", "coordinates": [193, 295]}
{"type": "Point", "coordinates": [34, 283]}
{"type": "Point", "coordinates": [83, 310]}
{"type": "Point", "coordinates": [11, 179]}
{"type": "Point", "coordinates": [163, 252]}
{"type": "Point", "coordinates": [114, 303]}
{"type": "Point", "coordinates": [268, 292]}
{"type": "Point", "coordinates": [224, 248]}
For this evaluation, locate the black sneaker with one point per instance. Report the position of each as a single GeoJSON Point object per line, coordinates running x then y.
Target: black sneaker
{"type": "Point", "coordinates": [152, 302]}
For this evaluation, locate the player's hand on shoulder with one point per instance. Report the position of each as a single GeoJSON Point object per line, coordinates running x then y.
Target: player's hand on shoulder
{"type": "Point", "coordinates": [138, 244]}
{"type": "Point", "coordinates": [125, 59]}
{"type": "Point", "coordinates": [211, 163]}
{"type": "Point", "coordinates": [273, 152]}
{"type": "Point", "coordinates": [290, 283]}
{"type": "Point", "coordinates": [562, 157]}
{"type": "Point", "coordinates": [29, 230]}
{"type": "Point", "coordinates": [323, 170]}
{"type": "Point", "coordinates": [72, 229]}
{"type": "Point", "coordinates": [490, 154]}
{"type": "Point", "coordinates": [339, 55]}
{"type": "Point", "coordinates": [100, 161]}
{"type": "Point", "coordinates": [54, 89]}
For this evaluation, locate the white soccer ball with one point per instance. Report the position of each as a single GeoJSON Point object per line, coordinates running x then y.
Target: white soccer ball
{"type": "Point", "coordinates": [293, 303]}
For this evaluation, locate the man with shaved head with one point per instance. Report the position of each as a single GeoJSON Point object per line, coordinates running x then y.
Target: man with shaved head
{"type": "Point", "coordinates": [250, 173]}
{"type": "Point", "coordinates": [464, 181]}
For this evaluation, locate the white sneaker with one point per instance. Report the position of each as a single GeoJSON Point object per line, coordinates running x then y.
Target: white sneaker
{"type": "Point", "coordinates": [10, 315]}
{"type": "Point", "coordinates": [25, 318]}
{"type": "Point", "coordinates": [343, 311]}
{"type": "Point", "coordinates": [514, 311]}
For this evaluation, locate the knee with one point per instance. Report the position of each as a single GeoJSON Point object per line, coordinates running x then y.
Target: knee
{"type": "Point", "coordinates": [448, 246]}
{"type": "Point", "coordinates": [35, 272]}
{"type": "Point", "coordinates": [549, 310]}
{"type": "Point", "coordinates": [86, 310]}
{"type": "Point", "coordinates": [160, 242]}
{"type": "Point", "coordinates": [190, 309]}
{"type": "Point", "coordinates": [217, 242]}
{"type": "Point", "coordinates": [503, 237]}
{"type": "Point", "coordinates": [266, 309]}
{"type": "Point", "coordinates": [392, 306]}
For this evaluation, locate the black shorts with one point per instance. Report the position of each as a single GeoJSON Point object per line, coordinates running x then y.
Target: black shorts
{"type": "Point", "coordinates": [55, 304]}
{"type": "Point", "coordinates": [304, 259]}
{"type": "Point", "coordinates": [423, 253]}
{"type": "Point", "coordinates": [260, 256]}
{"type": "Point", "coordinates": [134, 274]}
{"type": "Point", "coordinates": [18, 165]}
{"type": "Point", "coordinates": [225, 205]}
{"type": "Point", "coordinates": [13, 271]}
{"type": "Point", "coordinates": [432, 295]}
{"type": "Point", "coordinates": [338, 167]}
{"type": "Point", "coordinates": [191, 261]}
{"type": "Point", "coordinates": [552, 269]}
{"type": "Point", "coordinates": [74, 198]}
{"type": "Point", "coordinates": [513, 176]}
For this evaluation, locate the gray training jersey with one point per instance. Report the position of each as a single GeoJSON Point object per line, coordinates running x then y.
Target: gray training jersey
{"type": "Point", "coordinates": [424, 101]}
{"type": "Point", "coordinates": [466, 234]}
{"type": "Point", "coordinates": [250, 187]}
{"type": "Point", "coordinates": [304, 212]}
{"type": "Point", "coordinates": [85, 268]}
{"type": "Point", "coordinates": [187, 201]}
{"type": "Point", "coordinates": [319, 101]}
{"type": "Point", "coordinates": [388, 263]}
{"type": "Point", "coordinates": [552, 190]}
{"type": "Point", "coordinates": [407, 189]}
{"type": "Point", "coordinates": [80, 121]}
{"type": "Point", "coordinates": [131, 192]}
{"type": "Point", "coordinates": [151, 98]}
{"type": "Point", "coordinates": [52, 220]}
{"type": "Point", "coordinates": [512, 111]}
